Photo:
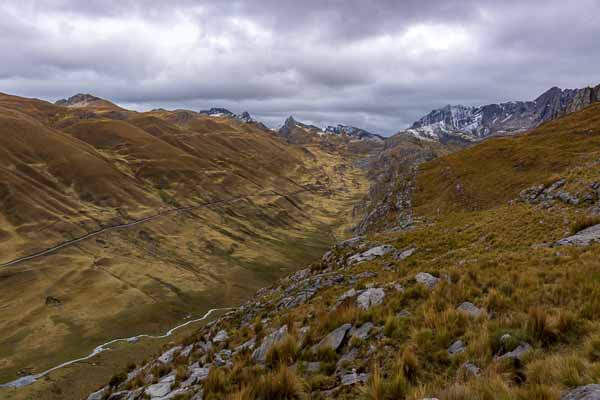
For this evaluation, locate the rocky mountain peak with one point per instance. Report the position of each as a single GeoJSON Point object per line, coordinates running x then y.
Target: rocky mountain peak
{"type": "Point", "coordinates": [217, 112]}
{"type": "Point", "coordinates": [78, 99]}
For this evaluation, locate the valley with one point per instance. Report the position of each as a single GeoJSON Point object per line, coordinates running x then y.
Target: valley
{"type": "Point", "coordinates": [233, 261]}
{"type": "Point", "coordinates": [148, 242]}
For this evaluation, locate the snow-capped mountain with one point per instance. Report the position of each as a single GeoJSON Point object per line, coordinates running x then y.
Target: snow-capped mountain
{"type": "Point", "coordinates": [298, 132]}
{"type": "Point", "coordinates": [218, 112]}
{"type": "Point", "coordinates": [474, 123]}
{"type": "Point", "coordinates": [352, 131]}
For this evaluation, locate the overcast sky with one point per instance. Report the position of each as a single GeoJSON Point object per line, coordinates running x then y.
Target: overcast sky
{"type": "Point", "coordinates": [375, 64]}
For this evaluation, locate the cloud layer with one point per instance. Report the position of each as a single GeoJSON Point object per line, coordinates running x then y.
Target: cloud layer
{"type": "Point", "coordinates": [378, 65]}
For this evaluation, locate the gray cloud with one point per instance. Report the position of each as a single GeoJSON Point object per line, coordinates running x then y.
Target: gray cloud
{"type": "Point", "coordinates": [377, 65]}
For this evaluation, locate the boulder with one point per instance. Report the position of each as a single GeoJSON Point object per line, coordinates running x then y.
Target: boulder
{"type": "Point", "coordinates": [471, 369]}
{"type": "Point", "coordinates": [158, 390]}
{"type": "Point", "coordinates": [169, 355]}
{"type": "Point", "coordinates": [334, 339]}
{"type": "Point", "coordinates": [99, 395]}
{"type": "Point", "coordinates": [456, 348]}
{"type": "Point", "coordinates": [347, 295]}
{"type": "Point", "coordinates": [587, 392]}
{"type": "Point", "coordinates": [260, 354]}
{"type": "Point", "coordinates": [221, 336]}
{"type": "Point", "coordinates": [582, 238]}
{"type": "Point", "coordinates": [122, 395]}
{"type": "Point", "coordinates": [370, 297]}
{"type": "Point", "coordinates": [362, 332]}
{"type": "Point", "coordinates": [470, 309]}
{"type": "Point", "coordinates": [402, 255]}
{"type": "Point", "coordinates": [370, 254]}
{"type": "Point", "coordinates": [196, 374]}
{"type": "Point", "coordinates": [426, 279]}
{"type": "Point", "coordinates": [518, 352]}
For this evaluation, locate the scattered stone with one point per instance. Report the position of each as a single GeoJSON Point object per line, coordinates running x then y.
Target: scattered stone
{"type": "Point", "coordinates": [169, 355]}
{"type": "Point", "coordinates": [186, 351]}
{"type": "Point", "coordinates": [158, 390]}
{"type": "Point", "coordinates": [196, 374]}
{"type": "Point", "coordinates": [347, 295]}
{"type": "Point", "coordinates": [398, 287]}
{"type": "Point", "coordinates": [334, 340]}
{"type": "Point", "coordinates": [248, 345]}
{"type": "Point", "coordinates": [587, 392]}
{"type": "Point", "coordinates": [370, 297]}
{"type": "Point", "coordinates": [223, 357]}
{"type": "Point", "coordinates": [426, 279]}
{"type": "Point", "coordinates": [260, 354]}
{"type": "Point", "coordinates": [582, 238]}
{"type": "Point", "coordinates": [123, 394]}
{"type": "Point", "coordinates": [99, 395]}
{"type": "Point", "coordinates": [362, 332]}
{"type": "Point", "coordinates": [405, 254]}
{"type": "Point", "coordinates": [517, 353]}
{"type": "Point", "coordinates": [370, 254]}
{"type": "Point", "coordinates": [403, 314]}
{"type": "Point", "coordinates": [352, 242]}
{"type": "Point", "coordinates": [300, 275]}
{"type": "Point", "coordinates": [221, 336]}
{"type": "Point", "coordinates": [470, 309]}
{"type": "Point", "coordinates": [456, 348]}
{"type": "Point", "coordinates": [353, 378]}
{"type": "Point", "coordinates": [471, 369]}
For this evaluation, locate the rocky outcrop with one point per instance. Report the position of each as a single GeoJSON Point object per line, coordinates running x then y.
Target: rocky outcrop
{"type": "Point", "coordinates": [587, 392]}
{"type": "Point", "coordinates": [582, 238]}
{"type": "Point", "coordinates": [334, 339]}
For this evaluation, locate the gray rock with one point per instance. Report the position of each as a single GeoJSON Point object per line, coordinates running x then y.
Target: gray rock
{"type": "Point", "coordinates": [347, 295]}
{"type": "Point", "coordinates": [158, 390]}
{"type": "Point", "coordinates": [362, 332]}
{"type": "Point", "coordinates": [587, 392]}
{"type": "Point", "coordinates": [248, 345]}
{"type": "Point", "coordinates": [223, 357]}
{"type": "Point", "coordinates": [405, 254]}
{"type": "Point", "coordinates": [169, 355]}
{"type": "Point", "coordinates": [123, 394]}
{"type": "Point", "coordinates": [426, 279]}
{"type": "Point", "coordinates": [221, 336]}
{"type": "Point", "coordinates": [370, 254]}
{"type": "Point", "coordinates": [333, 340]}
{"type": "Point", "coordinates": [471, 369]}
{"type": "Point", "coordinates": [186, 351]}
{"type": "Point", "coordinates": [353, 242]}
{"type": "Point", "coordinates": [196, 374]}
{"type": "Point", "coordinates": [582, 238]}
{"type": "Point", "coordinates": [470, 309]}
{"type": "Point", "coordinates": [370, 297]}
{"type": "Point", "coordinates": [260, 354]}
{"type": "Point", "coordinates": [99, 395]}
{"type": "Point", "coordinates": [456, 348]}
{"type": "Point", "coordinates": [517, 353]}
{"type": "Point", "coordinates": [353, 378]}
{"type": "Point", "coordinates": [136, 394]}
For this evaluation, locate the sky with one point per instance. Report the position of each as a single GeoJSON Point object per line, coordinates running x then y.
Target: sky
{"type": "Point", "coordinates": [376, 64]}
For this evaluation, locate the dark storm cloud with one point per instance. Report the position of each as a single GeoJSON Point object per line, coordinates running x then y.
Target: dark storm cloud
{"type": "Point", "coordinates": [378, 64]}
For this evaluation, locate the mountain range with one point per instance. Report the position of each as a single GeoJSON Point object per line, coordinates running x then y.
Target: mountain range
{"type": "Point", "coordinates": [476, 123]}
